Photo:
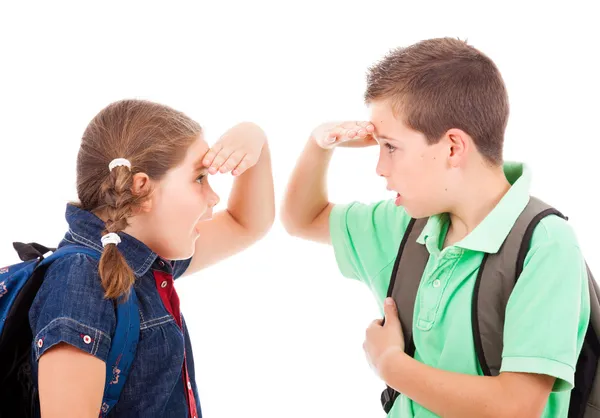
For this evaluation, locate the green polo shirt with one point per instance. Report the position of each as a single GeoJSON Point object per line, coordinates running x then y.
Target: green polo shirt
{"type": "Point", "coordinates": [547, 313]}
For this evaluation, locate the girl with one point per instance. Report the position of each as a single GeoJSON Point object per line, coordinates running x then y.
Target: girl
{"type": "Point", "coordinates": [146, 205]}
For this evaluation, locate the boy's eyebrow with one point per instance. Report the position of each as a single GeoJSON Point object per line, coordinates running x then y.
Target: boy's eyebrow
{"type": "Point", "coordinates": [387, 138]}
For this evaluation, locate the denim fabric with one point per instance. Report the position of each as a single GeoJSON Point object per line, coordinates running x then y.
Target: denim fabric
{"type": "Point", "coordinates": [70, 307]}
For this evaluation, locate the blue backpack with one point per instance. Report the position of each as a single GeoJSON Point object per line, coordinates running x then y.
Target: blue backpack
{"type": "Point", "coordinates": [19, 284]}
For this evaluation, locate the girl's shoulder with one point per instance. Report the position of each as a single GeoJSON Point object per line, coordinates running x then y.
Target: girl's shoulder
{"type": "Point", "coordinates": [70, 307]}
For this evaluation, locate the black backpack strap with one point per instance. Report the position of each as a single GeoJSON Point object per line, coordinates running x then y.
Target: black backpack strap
{"type": "Point", "coordinates": [404, 283]}
{"type": "Point", "coordinates": [495, 281]}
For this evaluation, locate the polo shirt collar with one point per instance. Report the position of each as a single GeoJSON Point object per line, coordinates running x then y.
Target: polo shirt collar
{"type": "Point", "coordinates": [489, 235]}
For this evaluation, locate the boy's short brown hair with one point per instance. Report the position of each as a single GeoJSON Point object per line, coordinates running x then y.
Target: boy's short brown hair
{"type": "Point", "coordinates": [443, 83]}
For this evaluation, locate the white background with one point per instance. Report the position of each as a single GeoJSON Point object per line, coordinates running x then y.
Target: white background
{"type": "Point", "coordinates": [277, 332]}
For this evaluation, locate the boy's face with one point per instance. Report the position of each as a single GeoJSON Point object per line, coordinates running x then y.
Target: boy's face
{"type": "Point", "coordinates": [419, 173]}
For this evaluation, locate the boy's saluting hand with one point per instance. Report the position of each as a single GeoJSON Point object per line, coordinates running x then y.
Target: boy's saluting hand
{"type": "Point", "coordinates": [345, 134]}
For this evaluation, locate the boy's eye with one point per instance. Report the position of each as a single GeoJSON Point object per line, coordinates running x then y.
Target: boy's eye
{"type": "Point", "coordinates": [200, 178]}
{"type": "Point", "coordinates": [391, 148]}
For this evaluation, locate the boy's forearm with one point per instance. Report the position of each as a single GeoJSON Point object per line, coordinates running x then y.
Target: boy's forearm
{"type": "Point", "coordinates": [306, 194]}
{"type": "Point", "coordinates": [450, 394]}
{"type": "Point", "coordinates": [252, 200]}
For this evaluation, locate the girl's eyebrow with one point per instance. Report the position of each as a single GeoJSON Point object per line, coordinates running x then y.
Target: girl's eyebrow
{"type": "Point", "coordinates": [200, 168]}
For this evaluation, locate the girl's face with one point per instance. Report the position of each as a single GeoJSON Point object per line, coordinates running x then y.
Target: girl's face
{"type": "Point", "coordinates": [178, 203]}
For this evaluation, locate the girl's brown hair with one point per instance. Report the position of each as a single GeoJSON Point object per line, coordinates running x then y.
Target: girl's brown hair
{"type": "Point", "coordinates": [154, 138]}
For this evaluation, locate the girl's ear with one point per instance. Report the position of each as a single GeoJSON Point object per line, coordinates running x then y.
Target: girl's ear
{"type": "Point", "coordinates": [142, 187]}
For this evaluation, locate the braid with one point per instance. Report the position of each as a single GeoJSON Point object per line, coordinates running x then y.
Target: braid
{"type": "Point", "coordinates": [116, 275]}
{"type": "Point", "coordinates": [118, 198]}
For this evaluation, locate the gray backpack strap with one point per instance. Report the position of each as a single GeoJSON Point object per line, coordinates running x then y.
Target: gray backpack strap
{"type": "Point", "coordinates": [406, 277]}
{"type": "Point", "coordinates": [585, 396]}
{"type": "Point", "coordinates": [492, 291]}
{"type": "Point", "coordinates": [495, 282]}
{"type": "Point", "coordinates": [404, 283]}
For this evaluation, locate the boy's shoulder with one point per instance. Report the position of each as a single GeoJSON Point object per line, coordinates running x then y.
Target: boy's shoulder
{"type": "Point", "coordinates": [366, 236]}
{"type": "Point", "coordinates": [554, 231]}
{"type": "Point", "coordinates": [554, 255]}
{"type": "Point", "coordinates": [382, 213]}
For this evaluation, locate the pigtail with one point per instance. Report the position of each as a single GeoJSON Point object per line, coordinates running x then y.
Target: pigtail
{"type": "Point", "coordinates": [116, 275]}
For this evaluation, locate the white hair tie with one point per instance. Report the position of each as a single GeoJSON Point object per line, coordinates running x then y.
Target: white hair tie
{"type": "Point", "coordinates": [118, 162]}
{"type": "Point", "coordinates": [110, 238]}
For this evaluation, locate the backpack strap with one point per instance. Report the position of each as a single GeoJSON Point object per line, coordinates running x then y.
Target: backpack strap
{"type": "Point", "coordinates": [122, 351]}
{"type": "Point", "coordinates": [585, 395]}
{"type": "Point", "coordinates": [404, 284]}
{"type": "Point", "coordinates": [495, 281]}
{"type": "Point", "coordinates": [488, 324]}
{"type": "Point", "coordinates": [124, 341]}
{"type": "Point", "coordinates": [31, 251]}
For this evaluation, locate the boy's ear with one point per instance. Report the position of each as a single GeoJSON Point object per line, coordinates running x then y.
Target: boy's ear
{"type": "Point", "coordinates": [460, 143]}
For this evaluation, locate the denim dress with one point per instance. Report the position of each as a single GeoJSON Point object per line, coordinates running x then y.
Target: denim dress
{"type": "Point", "coordinates": [70, 307]}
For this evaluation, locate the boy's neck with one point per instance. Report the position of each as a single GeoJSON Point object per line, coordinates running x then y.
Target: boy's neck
{"type": "Point", "coordinates": [476, 199]}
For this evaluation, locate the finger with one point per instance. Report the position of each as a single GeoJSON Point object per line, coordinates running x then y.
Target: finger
{"type": "Point", "coordinates": [344, 135]}
{"type": "Point", "coordinates": [365, 126]}
{"type": "Point", "coordinates": [376, 323]}
{"type": "Point", "coordinates": [333, 136]}
{"type": "Point", "coordinates": [391, 312]}
{"type": "Point", "coordinates": [351, 124]}
{"type": "Point", "coordinates": [365, 132]}
{"type": "Point", "coordinates": [351, 133]}
{"type": "Point", "coordinates": [361, 133]}
{"type": "Point", "coordinates": [244, 165]}
{"type": "Point", "coordinates": [211, 154]}
{"type": "Point", "coordinates": [232, 162]}
{"type": "Point", "coordinates": [219, 159]}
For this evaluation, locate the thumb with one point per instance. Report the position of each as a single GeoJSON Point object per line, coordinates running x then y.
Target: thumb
{"type": "Point", "coordinates": [391, 312]}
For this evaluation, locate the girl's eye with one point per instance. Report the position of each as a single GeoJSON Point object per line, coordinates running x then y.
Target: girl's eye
{"type": "Point", "coordinates": [200, 179]}
{"type": "Point", "coordinates": [391, 148]}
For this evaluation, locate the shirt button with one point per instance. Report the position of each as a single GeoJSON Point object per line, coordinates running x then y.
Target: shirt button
{"type": "Point", "coordinates": [163, 284]}
{"type": "Point", "coordinates": [189, 385]}
{"type": "Point", "coordinates": [161, 263]}
{"type": "Point", "coordinates": [40, 343]}
{"type": "Point", "coordinates": [436, 283]}
{"type": "Point", "coordinates": [87, 339]}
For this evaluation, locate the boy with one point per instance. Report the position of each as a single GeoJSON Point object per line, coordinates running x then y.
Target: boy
{"type": "Point", "coordinates": [439, 110]}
